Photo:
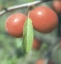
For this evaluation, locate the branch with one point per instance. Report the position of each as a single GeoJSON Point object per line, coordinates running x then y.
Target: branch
{"type": "Point", "coordinates": [19, 7]}
{"type": "Point", "coordinates": [23, 6]}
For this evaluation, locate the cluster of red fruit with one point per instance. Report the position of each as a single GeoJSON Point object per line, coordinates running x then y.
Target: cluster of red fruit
{"type": "Point", "coordinates": [44, 20]}
{"type": "Point", "coordinates": [57, 6]}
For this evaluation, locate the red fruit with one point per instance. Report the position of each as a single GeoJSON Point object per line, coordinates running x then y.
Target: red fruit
{"type": "Point", "coordinates": [51, 62]}
{"type": "Point", "coordinates": [44, 19]}
{"type": "Point", "coordinates": [57, 6]}
{"type": "Point", "coordinates": [36, 44]}
{"type": "Point", "coordinates": [41, 61]}
{"type": "Point", "coordinates": [15, 23]}
{"type": "Point", "coordinates": [60, 43]}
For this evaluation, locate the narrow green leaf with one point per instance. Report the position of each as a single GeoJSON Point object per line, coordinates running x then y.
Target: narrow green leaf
{"type": "Point", "coordinates": [27, 35]}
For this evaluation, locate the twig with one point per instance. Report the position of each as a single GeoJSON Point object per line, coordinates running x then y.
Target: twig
{"type": "Point", "coordinates": [22, 6]}
{"type": "Point", "coordinates": [19, 7]}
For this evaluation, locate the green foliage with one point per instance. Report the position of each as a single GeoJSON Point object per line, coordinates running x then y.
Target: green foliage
{"type": "Point", "coordinates": [44, 46]}
{"type": "Point", "coordinates": [18, 42]}
{"type": "Point", "coordinates": [56, 54]}
{"type": "Point", "coordinates": [27, 35]}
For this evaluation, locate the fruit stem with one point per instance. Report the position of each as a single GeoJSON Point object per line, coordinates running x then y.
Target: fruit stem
{"type": "Point", "coordinates": [29, 8]}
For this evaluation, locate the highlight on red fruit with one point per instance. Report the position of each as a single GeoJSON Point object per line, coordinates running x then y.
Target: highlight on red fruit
{"type": "Point", "coordinates": [45, 20]}
{"type": "Point", "coordinates": [57, 5]}
{"type": "Point", "coordinates": [14, 24]}
{"type": "Point", "coordinates": [36, 44]}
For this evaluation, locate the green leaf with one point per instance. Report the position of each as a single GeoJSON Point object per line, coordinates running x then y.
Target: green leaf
{"type": "Point", "coordinates": [27, 35]}
{"type": "Point", "coordinates": [44, 46]}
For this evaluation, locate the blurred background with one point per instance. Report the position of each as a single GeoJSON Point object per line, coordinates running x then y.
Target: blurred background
{"type": "Point", "coordinates": [11, 48]}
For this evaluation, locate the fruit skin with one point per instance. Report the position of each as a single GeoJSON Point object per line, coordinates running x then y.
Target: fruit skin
{"type": "Point", "coordinates": [60, 43]}
{"type": "Point", "coordinates": [57, 6]}
{"type": "Point", "coordinates": [14, 24]}
{"type": "Point", "coordinates": [40, 61]}
{"type": "Point", "coordinates": [51, 62]}
{"type": "Point", "coordinates": [36, 44]}
{"type": "Point", "coordinates": [44, 19]}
